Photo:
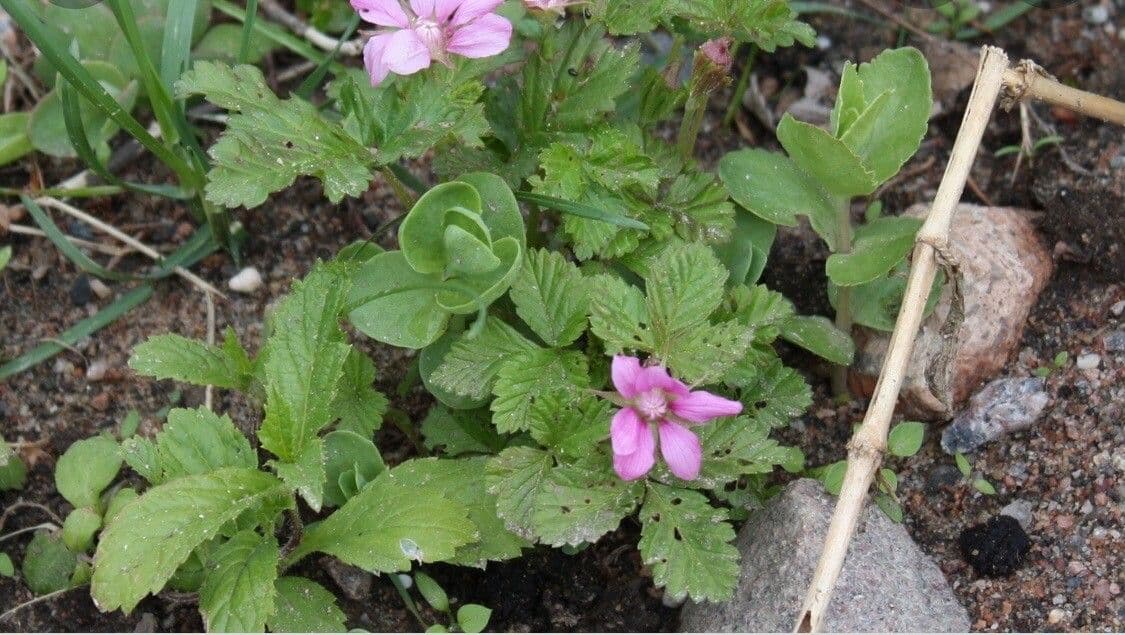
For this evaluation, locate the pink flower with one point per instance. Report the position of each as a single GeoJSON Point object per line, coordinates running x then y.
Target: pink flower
{"type": "Point", "coordinates": [429, 30]}
{"type": "Point", "coordinates": [653, 399]}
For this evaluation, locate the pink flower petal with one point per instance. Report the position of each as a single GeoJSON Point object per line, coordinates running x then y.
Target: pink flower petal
{"type": "Point", "coordinates": [631, 467]}
{"type": "Point", "coordinates": [406, 53]}
{"type": "Point", "coordinates": [382, 12]}
{"type": "Point", "coordinates": [444, 9]}
{"type": "Point", "coordinates": [373, 58]}
{"type": "Point", "coordinates": [700, 406]}
{"type": "Point", "coordinates": [487, 35]}
{"type": "Point", "coordinates": [424, 8]}
{"type": "Point", "coordinates": [657, 377]}
{"type": "Point", "coordinates": [681, 450]}
{"type": "Point", "coordinates": [469, 10]}
{"type": "Point", "coordinates": [626, 430]}
{"type": "Point", "coordinates": [625, 371]}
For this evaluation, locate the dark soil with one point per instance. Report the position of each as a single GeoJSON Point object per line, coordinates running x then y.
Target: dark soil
{"type": "Point", "coordinates": [1069, 467]}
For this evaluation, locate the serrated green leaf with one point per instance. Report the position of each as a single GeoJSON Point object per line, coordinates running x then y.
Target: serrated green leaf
{"type": "Point", "coordinates": [687, 544]}
{"type": "Point", "coordinates": [700, 207]}
{"type": "Point", "coordinates": [706, 354]}
{"type": "Point", "coordinates": [618, 315]}
{"type": "Point", "coordinates": [470, 367]}
{"type": "Point", "coordinates": [684, 286]}
{"type": "Point", "coordinates": [86, 468]}
{"type": "Point", "coordinates": [237, 595]}
{"type": "Point", "coordinates": [515, 477]}
{"type": "Point", "coordinates": [777, 396]}
{"type": "Point", "coordinates": [269, 142]}
{"type": "Point", "coordinates": [346, 452]}
{"type": "Point", "coordinates": [570, 424]}
{"type": "Point", "coordinates": [833, 165]}
{"type": "Point", "coordinates": [736, 447]}
{"type": "Point", "coordinates": [552, 297]}
{"type": "Point", "coordinates": [304, 362]}
{"type": "Point", "coordinates": [306, 473]}
{"type": "Point", "coordinates": [526, 377]}
{"type": "Point", "coordinates": [303, 606]}
{"type": "Point", "coordinates": [473, 618]}
{"type": "Point", "coordinates": [905, 439]}
{"type": "Point", "coordinates": [359, 405]}
{"type": "Point", "coordinates": [578, 504]}
{"type": "Point", "coordinates": [389, 524]}
{"type": "Point", "coordinates": [819, 336]}
{"type": "Point", "coordinates": [192, 442]}
{"type": "Point", "coordinates": [766, 23]}
{"type": "Point", "coordinates": [878, 247]}
{"type": "Point", "coordinates": [47, 564]}
{"type": "Point", "coordinates": [460, 432]}
{"type": "Point", "coordinates": [171, 356]}
{"type": "Point", "coordinates": [142, 547]}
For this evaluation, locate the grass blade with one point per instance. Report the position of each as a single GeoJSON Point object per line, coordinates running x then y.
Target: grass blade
{"type": "Point", "coordinates": [176, 51]}
{"type": "Point", "coordinates": [580, 209]}
{"type": "Point", "coordinates": [273, 33]}
{"type": "Point", "coordinates": [82, 329]}
{"type": "Point", "coordinates": [247, 30]}
{"type": "Point", "coordinates": [73, 253]}
{"type": "Point", "coordinates": [305, 90]}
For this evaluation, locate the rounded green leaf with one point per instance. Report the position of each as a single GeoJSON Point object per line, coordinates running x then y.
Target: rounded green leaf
{"type": "Point", "coordinates": [467, 253]}
{"type": "Point", "coordinates": [120, 499]}
{"type": "Point", "coordinates": [85, 469]}
{"type": "Point", "coordinates": [906, 438]}
{"type": "Point", "coordinates": [303, 606]}
{"type": "Point", "coordinates": [79, 529]}
{"type": "Point", "coordinates": [346, 451]}
{"type": "Point", "coordinates": [7, 569]}
{"type": "Point", "coordinates": [488, 287]}
{"type": "Point", "coordinates": [14, 142]}
{"type": "Point", "coordinates": [396, 305]}
{"type": "Point", "coordinates": [48, 564]}
{"type": "Point", "coordinates": [827, 159]}
{"type": "Point", "coordinates": [432, 591]}
{"type": "Point", "coordinates": [499, 209]}
{"type": "Point", "coordinates": [473, 618]}
{"type": "Point", "coordinates": [819, 336]}
{"type": "Point", "coordinates": [46, 129]}
{"type": "Point", "coordinates": [422, 231]}
{"type": "Point", "coordinates": [879, 246]}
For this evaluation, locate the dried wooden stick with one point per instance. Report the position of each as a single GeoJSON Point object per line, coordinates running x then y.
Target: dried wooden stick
{"type": "Point", "coordinates": [1028, 80]}
{"type": "Point", "coordinates": [865, 451]}
{"type": "Point", "coordinates": [301, 29]}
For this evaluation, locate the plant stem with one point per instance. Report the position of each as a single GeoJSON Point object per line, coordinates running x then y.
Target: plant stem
{"type": "Point", "coordinates": [534, 220]}
{"type": "Point", "coordinates": [402, 193]}
{"type": "Point", "coordinates": [743, 80]}
{"type": "Point", "coordinates": [844, 312]}
{"type": "Point", "coordinates": [694, 109]}
{"type": "Point", "coordinates": [406, 599]}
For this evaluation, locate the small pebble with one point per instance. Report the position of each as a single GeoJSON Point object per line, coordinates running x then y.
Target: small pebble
{"type": "Point", "coordinates": [1056, 616]}
{"type": "Point", "coordinates": [97, 370]}
{"type": "Point", "coordinates": [405, 580]}
{"type": "Point", "coordinates": [1087, 507]}
{"type": "Point", "coordinates": [1021, 510]}
{"type": "Point", "coordinates": [246, 281]}
{"type": "Point", "coordinates": [1118, 308]}
{"type": "Point", "coordinates": [1088, 361]}
{"type": "Point", "coordinates": [80, 291]}
{"type": "Point", "coordinates": [1096, 14]}
{"type": "Point", "coordinates": [671, 602]}
{"type": "Point", "coordinates": [1115, 342]}
{"type": "Point", "coordinates": [1059, 599]}
{"type": "Point", "coordinates": [823, 42]}
{"type": "Point", "coordinates": [99, 289]}
{"type": "Point", "coordinates": [1004, 405]}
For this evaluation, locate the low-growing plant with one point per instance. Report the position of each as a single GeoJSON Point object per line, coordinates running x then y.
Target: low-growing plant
{"type": "Point", "coordinates": [876, 125]}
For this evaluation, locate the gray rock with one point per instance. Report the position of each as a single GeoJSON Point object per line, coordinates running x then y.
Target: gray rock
{"type": "Point", "coordinates": [353, 581]}
{"type": "Point", "coordinates": [1087, 361]}
{"type": "Point", "coordinates": [1005, 405]}
{"type": "Point", "coordinates": [1115, 342]}
{"type": "Point", "coordinates": [1021, 510]}
{"type": "Point", "coordinates": [887, 583]}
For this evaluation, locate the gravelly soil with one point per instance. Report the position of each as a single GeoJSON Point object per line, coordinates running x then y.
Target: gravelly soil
{"type": "Point", "coordinates": [1070, 466]}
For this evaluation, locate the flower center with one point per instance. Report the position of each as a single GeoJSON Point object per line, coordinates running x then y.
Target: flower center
{"type": "Point", "coordinates": [432, 35]}
{"type": "Point", "coordinates": [652, 404]}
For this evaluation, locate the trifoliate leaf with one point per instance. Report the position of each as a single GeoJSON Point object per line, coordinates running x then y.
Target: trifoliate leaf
{"type": "Point", "coordinates": [391, 523]}
{"type": "Point", "coordinates": [515, 477]}
{"type": "Point", "coordinates": [237, 595]}
{"type": "Point", "coordinates": [763, 311]}
{"type": "Point", "coordinates": [171, 356]}
{"type": "Point", "coordinates": [304, 362]}
{"type": "Point", "coordinates": [142, 547]}
{"type": "Point", "coordinates": [686, 541]}
{"type": "Point", "coordinates": [269, 142]}
{"type": "Point", "coordinates": [552, 297]}
{"type": "Point", "coordinates": [358, 405]}
{"type": "Point", "coordinates": [470, 366]}
{"type": "Point", "coordinates": [86, 468]}
{"type": "Point", "coordinates": [578, 504]}
{"type": "Point", "coordinates": [526, 377]}
{"type": "Point", "coordinates": [47, 564]}
{"type": "Point", "coordinates": [463, 482]}
{"type": "Point", "coordinates": [460, 432]}
{"type": "Point", "coordinates": [570, 424]}
{"type": "Point", "coordinates": [303, 606]}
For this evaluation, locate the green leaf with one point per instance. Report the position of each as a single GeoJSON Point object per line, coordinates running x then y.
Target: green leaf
{"type": "Point", "coordinates": [618, 315]}
{"type": "Point", "coordinates": [13, 472]}
{"type": "Point", "coordinates": [745, 254]}
{"type": "Point", "coordinates": [876, 304]}
{"type": "Point", "coordinates": [878, 247]}
{"type": "Point", "coordinates": [833, 477]}
{"type": "Point", "coordinates": [304, 362]}
{"type": "Point", "coordinates": [772, 187]}
{"type": "Point", "coordinates": [47, 564]}
{"type": "Point", "coordinates": [460, 432]}
{"type": "Point", "coordinates": [850, 101]}
{"type": "Point", "coordinates": [303, 606]}
{"type": "Point", "coordinates": [766, 23]}
{"type": "Point", "coordinates": [470, 367]}
{"type": "Point", "coordinates": [963, 464]}
{"type": "Point", "coordinates": [394, 304]}
{"type": "Point", "coordinates": [306, 472]}
{"type": "Point", "coordinates": [14, 142]}
{"type": "Point", "coordinates": [192, 442]}
{"type": "Point", "coordinates": [578, 504]}
{"type": "Point", "coordinates": [889, 506]}
{"type": "Point", "coordinates": [142, 547]}
{"type": "Point", "coordinates": [833, 165]}
{"type": "Point", "coordinates": [433, 593]}
{"type": "Point", "coordinates": [684, 286]}
{"type": "Point", "coordinates": [171, 356]}
{"type": "Point", "coordinates": [79, 528]}
{"type": "Point", "coordinates": [46, 127]}
{"type": "Point", "coordinates": [389, 524]}
{"type": "Point", "coordinates": [346, 452]}
{"type": "Point", "coordinates": [687, 544]}
{"type": "Point", "coordinates": [515, 477]}
{"type": "Point", "coordinates": [777, 396]}
{"type": "Point", "coordinates": [359, 405]}
{"type": "Point", "coordinates": [734, 448]}
{"type": "Point", "coordinates": [85, 469]}
{"type": "Point", "coordinates": [462, 481]}
{"type": "Point", "coordinates": [984, 487]}
{"type": "Point", "coordinates": [570, 424]}
{"type": "Point", "coordinates": [121, 498]}
{"type": "Point", "coordinates": [905, 439]}
{"type": "Point", "coordinates": [887, 480]}
{"type": "Point", "coordinates": [7, 569]}
{"type": "Point", "coordinates": [431, 359]}
{"type": "Point", "coordinates": [237, 595]}
{"type": "Point", "coordinates": [706, 354]}
{"type": "Point", "coordinates": [551, 297]}
{"type": "Point", "coordinates": [819, 336]}
{"type": "Point", "coordinates": [529, 376]}
{"type": "Point", "coordinates": [473, 618]}
{"type": "Point", "coordinates": [221, 42]}
{"type": "Point", "coordinates": [269, 142]}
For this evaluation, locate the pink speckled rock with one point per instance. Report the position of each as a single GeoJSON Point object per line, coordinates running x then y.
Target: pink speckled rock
{"type": "Point", "coordinates": [1004, 267]}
